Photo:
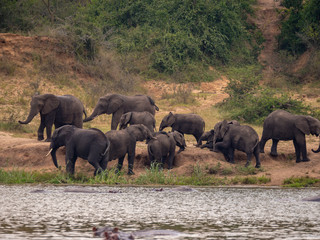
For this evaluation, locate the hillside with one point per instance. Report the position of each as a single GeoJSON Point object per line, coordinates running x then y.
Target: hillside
{"type": "Point", "coordinates": [43, 64]}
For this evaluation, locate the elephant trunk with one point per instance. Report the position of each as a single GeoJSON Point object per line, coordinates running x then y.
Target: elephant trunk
{"type": "Point", "coordinates": [316, 151]}
{"type": "Point", "coordinates": [32, 114]}
{"type": "Point", "coordinates": [54, 157]}
{"type": "Point", "coordinates": [95, 113]}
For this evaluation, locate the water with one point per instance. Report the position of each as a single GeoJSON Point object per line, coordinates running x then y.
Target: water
{"type": "Point", "coordinates": [206, 213]}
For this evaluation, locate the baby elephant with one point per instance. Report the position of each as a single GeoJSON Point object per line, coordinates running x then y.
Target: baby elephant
{"type": "Point", "coordinates": [163, 147]}
{"type": "Point", "coordinates": [123, 142]}
{"type": "Point", "coordinates": [90, 144]}
{"type": "Point", "coordinates": [132, 118]}
{"type": "Point", "coordinates": [184, 123]}
{"type": "Point", "coordinates": [228, 137]}
{"type": "Point", "coordinates": [207, 136]}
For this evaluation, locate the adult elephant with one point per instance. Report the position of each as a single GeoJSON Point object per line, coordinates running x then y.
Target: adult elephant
{"type": "Point", "coordinates": [132, 118]}
{"type": "Point", "coordinates": [163, 147]}
{"type": "Point", "coordinates": [123, 142]}
{"type": "Point", "coordinates": [117, 105]}
{"type": "Point", "coordinates": [90, 144]}
{"type": "Point", "coordinates": [282, 125]}
{"type": "Point", "coordinates": [228, 137]}
{"type": "Point", "coordinates": [184, 123]}
{"type": "Point", "coordinates": [57, 110]}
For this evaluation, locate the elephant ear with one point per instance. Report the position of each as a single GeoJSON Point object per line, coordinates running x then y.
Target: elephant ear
{"type": "Point", "coordinates": [115, 102]}
{"type": "Point", "coordinates": [170, 119]}
{"type": "Point", "coordinates": [51, 102]}
{"type": "Point", "coordinates": [314, 125]}
{"type": "Point", "coordinates": [303, 125]}
{"type": "Point", "coordinates": [224, 128]}
{"type": "Point", "coordinates": [178, 138]}
{"type": "Point", "coordinates": [127, 118]}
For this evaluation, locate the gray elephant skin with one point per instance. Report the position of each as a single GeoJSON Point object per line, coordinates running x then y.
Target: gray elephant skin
{"type": "Point", "coordinates": [184, 123]}
{"type": "Point", "coordinates": [282, 125]}
{"type": "Point", "coordinates": [162, 147]}
{"type": "Point", "coordinates": [57, 110]}
{"type": "Point", "coordinates": [131, 118]}
{"type": "Point", "coordinates": [117, 105]}
{"type": "Point", "coordinates": [123, 142]}
{"type": "Point", "coordinates": [208, 136]}
{"type": "Point", "coordinates": [228, 137]}
{"type": "Point", "coordinates": [90, 144]}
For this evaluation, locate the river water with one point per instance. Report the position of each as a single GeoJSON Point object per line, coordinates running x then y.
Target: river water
{"type": "Point", "coordinates": [70, 212]}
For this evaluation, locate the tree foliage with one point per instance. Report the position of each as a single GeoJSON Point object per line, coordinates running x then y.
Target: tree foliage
{"type": "Point", "coordinates": [301, 26]}
{"type": "Point", "coordinates": [172, 34]}
{"type": "Point", "coordinates": [175, 33]}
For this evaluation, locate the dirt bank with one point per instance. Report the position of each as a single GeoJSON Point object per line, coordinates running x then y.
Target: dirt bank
{"type": "Point", "coordinates": [29, 154]}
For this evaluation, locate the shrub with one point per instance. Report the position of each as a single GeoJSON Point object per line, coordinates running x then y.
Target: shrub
{"type": "Point", "coordinates": [254, 107]}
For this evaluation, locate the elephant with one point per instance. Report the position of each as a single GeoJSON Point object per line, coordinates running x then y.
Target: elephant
{"type": "Point", "coordinates": [132, 118]}
{"type": "Point", "coordinates": [282, 125]}
{"type": "Point", "coordinates": [228, 137]}
{"type": "Point", "coordinates": [90, 144]}
{"type": "Point", "coordinates": [163, 147]}
{"type": "Point", "coordinates": [207, 136]}
{"type": "Point", "coordinates": [184, 123]}
{"type": "Point", "coordinates": [117, 105]}
{"type": "Point", "coordinates": [57, 110]}
{"type": "Point", "coordinates": [123, 142]}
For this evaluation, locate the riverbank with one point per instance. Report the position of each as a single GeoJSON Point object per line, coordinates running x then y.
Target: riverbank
{"type": "Point", "coordinates": [25, 158]}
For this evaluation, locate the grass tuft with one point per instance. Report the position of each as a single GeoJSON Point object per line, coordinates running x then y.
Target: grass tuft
{"type": "Point", "coordinates": [301, 182]}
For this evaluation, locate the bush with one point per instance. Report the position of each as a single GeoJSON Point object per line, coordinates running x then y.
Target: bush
{"type": "Point", "coordinates": [175, 33]}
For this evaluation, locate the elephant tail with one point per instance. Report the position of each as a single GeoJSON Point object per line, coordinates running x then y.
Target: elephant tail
{"type": "Point", "coordinates": [153, 103]}
{"type": "Point", "coordinates": [257, 145]}
{"type": "Point", "coordinates": [105, 155]}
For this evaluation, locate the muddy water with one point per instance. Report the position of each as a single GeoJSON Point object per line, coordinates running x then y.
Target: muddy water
{"type": "Point", "coordinates": [69, 212]}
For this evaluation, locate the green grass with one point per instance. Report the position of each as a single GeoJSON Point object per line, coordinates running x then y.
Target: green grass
{"type": "Point", "coordinates": [152, 176]}
{"type": "Point", "coordinates": [301, 182]}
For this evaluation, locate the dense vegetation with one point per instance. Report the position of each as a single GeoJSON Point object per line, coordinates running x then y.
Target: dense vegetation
{"type": "Point", "coordinates": [301, 26]}
{"type": "Point", "coordinates": [172, 35]}
{"type": "Point", "coordinates": [177, 40]}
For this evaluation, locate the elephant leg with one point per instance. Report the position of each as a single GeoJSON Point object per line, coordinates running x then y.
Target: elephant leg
{"type": "Point", "coordinates": [274, 146]}
{"type": "Point", "coordinates": [93, 159]}
{"type": "Point", "coordinates": [120, 164]}
{"type": "Point", "coordinates": [41, 128]}
{"type": "Point", "coordinates": [49, 122]}
{"type": "Point", "coordinates": [130, 163]}
{"type": "Point", "coordinates": [297, 150]}
{"type": "Point", "coordinates": [263, 143]}
{"type": "Point", "coordinates": [170, 160]}
{"type": "Point", "coordinates": [219, 147]}
{"type": "Point", "coordinates": [249, 156]}
{"type": "Point", "coordinates": [231, 155]}
{"type": "Point", "coordinates": [301, 148]}
{"type": "Point", "coordinates": [103, 164]}
{"type": "Point", "coordinates": [256, 155]}
{"type": "Point", "coordinates": [70, 163]}
{"type": "Point", "coordinates": [199, 140]}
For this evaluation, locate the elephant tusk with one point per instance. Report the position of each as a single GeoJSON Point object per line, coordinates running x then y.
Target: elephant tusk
{"type": "Point", "coordinates": [49, 152]}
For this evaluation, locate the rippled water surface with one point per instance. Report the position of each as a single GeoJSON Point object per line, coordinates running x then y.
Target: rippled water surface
{"type": "Point", "coordinates": [50, 212]}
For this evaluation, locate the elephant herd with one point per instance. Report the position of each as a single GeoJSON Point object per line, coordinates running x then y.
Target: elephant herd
{"type": "Point", "coordinates": [135, 117]}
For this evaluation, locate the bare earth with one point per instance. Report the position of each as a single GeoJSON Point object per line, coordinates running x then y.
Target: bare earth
{"type": "Point", "coordinates": [29, 154]}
